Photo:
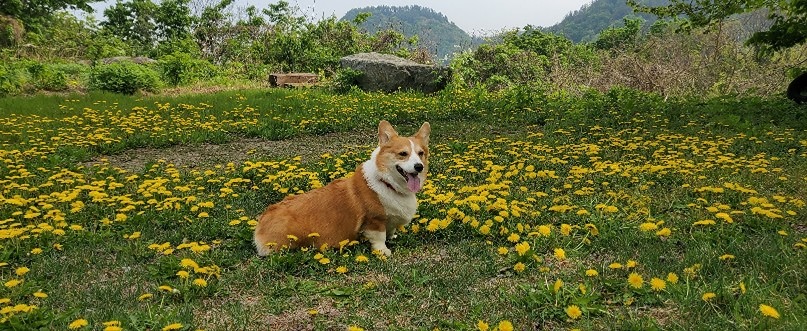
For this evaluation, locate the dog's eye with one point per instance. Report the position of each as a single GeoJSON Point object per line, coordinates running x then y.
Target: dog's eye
{"type": "Point", "coordinates": [420, 153]}
{"type": "Point", "coordinates": [404, 154]}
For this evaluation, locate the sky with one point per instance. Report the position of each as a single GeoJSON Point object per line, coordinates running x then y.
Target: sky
{"type": "Point", "coordinates": [477, 17]}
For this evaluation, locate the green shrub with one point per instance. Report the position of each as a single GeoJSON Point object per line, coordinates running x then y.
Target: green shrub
{"type": "Point", "coordinates": [124, 77]}
{"type": "Point", "coordinates": [346, 79]}
{"type": "Point", "coordinates": [181, 68]}
{"type": "Point", "coordinates": [47, 77]}
{"type": "Point", "coordinates": [11, 80]}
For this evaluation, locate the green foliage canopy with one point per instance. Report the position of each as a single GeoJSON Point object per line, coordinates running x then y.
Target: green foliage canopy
{"type": "Point", "coordinates": [789, 17]}
{"type": "Point", "coordinates": [35, 14]}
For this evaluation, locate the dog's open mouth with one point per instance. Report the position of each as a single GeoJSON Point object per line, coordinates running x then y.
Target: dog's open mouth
{"type": "Point", "coordinates": [412, 179]}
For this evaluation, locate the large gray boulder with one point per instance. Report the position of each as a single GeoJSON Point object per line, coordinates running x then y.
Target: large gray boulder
{"type": "Point", "coordinates": [389, 73]}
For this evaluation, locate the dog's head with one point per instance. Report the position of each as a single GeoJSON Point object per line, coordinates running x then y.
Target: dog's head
{"type": "Point", "coordinates": [404, 161]}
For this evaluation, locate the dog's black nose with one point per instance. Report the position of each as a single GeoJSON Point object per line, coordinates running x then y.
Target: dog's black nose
{"type": "Point", "coordinates": [418, 167]}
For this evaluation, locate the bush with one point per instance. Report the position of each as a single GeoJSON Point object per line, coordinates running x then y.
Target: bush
{"type": "Point", "coordinates": [11, 80]}
{"type": "Point", "coordinates": [180, 69]}
{"type": "Point", "coordinates": [47, 77]}
{"type": "Point", "coordinates": [124, 77]}
{"type": "Point", "coordinates": [346, 79]}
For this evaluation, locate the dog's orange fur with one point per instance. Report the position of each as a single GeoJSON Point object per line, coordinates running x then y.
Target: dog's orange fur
{"type": "Point", "coordinates": [335, 212]}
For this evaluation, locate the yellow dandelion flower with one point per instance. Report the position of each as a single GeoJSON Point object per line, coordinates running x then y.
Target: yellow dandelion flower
{"type": "Point", "coordinates": [631, 264]}
{"type": "Point", "coordinates": [362, 259]}
{"type": "Point", "coordinates": [560, 254]}
{"type": "Point", "coordinates": [40, 294]}
{"type": "Point", "coordinates": [672, 278]}
{"type": "Point", "coordinates": [704, 222]}
{"type": "Point", "coordinates": [77, 324]}
{"type": "Point", "coordinates": [648, 226]}
{"type": "Point", "coordinates": [144, 296]}
{"type": "Point", "coordinates": [502, 250]}
{"type": "Point", "coordinates": [505, 326]}
{"type": "Point", "coordinates": [635, 280]}
{"type": "Point", "coordinates": [324, 260]}
{"type": "Point", "coordinates": [21, 271]}
{"type": "Point", "coordinates": [592, 273]}
{"type": "Point", "coordinates": [725, 217]}
{"type": "Point", "coordinates": [665, 232]}
{"type": "Point", "coordinates": [708, 296]}
{"type": "Point", "coordinates": [565, 229]}
{"type": "Point", "coordinates": [658, 284]}
{"type": "Point", "coordinates": [292, 237]}
{"type": "Point", "coordinates": [522, 248]}
{"type": "Point", "coordinates": [170, 327]}
{"type": "Point", "coordinates": [354, 328]}
{"type": "Point", "coordinates": [726, 257]}
{"type": "Point", "coordinates": [513, 238]}
{"type": "Point", "coordinates": [183, 274]}
{"type": "Point", "coordinates": [574, 312]}
{"type": "Point", "coordinates": [592, 229]}
{"type": "Point", "coordinates": [341, 269]}
{"type": "Point", "coordinates": [545, 230]}
{"type": "Point", "coordinates": [200, 282]}
{"type": "Point", "coordinates": [188, 263]}
{"type": "Point", "coordinates": [768, 311]}
{"type": "Point", "coordinates": [558, 285]}
{"type": "Point", "coordinates": [519, 267]}
{"type": "Point", "coordinates": [615, 265]}
{"type": "Point", "coordinates": [36, 251]}
{"type": "Point", "coordinates": [13, 283]}
{"type": "Point", "coordinates": [482, 326]}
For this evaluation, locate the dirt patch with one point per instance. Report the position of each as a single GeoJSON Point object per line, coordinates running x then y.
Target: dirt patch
{"type": "Point", "coordinates": [238, 151]}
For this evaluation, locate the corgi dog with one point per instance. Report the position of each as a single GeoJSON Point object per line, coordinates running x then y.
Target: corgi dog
{"type": "Point", "coordinates": [374, 202]}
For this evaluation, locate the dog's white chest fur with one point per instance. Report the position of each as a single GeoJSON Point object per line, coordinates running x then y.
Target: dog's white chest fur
{"type": "Point", "coordinates": [399, 205]}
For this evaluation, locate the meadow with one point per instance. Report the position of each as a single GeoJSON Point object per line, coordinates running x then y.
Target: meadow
{"type": "Point", "coordinates": [617, 210]}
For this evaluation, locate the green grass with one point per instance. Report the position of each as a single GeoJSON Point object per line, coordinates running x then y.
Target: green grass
{"type": "Point", "coordinates": [595, 171]}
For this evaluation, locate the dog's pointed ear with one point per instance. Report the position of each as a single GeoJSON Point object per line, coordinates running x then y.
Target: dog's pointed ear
{"type": "Point", "coordinates": [424, 132]}
{"type": "Point", "coordinates": [385, 132]}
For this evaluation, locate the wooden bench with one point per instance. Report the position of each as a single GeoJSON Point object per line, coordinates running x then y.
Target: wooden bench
{"type": "Point", "coordinates": [293, 79]}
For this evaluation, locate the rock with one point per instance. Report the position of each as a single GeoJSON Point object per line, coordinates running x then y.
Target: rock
{"type": "Point", "coordinates": [138, 60]}
{"type": "Point", "coordinates": [389, 73]}
{"type": "Point", "coordinates": [293, 79]}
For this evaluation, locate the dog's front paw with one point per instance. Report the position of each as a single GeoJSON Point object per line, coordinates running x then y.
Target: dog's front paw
{"type": "Point", "coordinates": [382, 251]}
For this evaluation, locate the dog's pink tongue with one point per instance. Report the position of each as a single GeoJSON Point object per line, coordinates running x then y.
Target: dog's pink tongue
{"type": "Point", "coordinates": [413, 181]}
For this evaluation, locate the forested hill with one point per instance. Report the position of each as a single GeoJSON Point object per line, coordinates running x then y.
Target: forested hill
{"type": "Point", "coordinates": [434, 30]}
{"type": "Point", "coordinates": [586, 23]}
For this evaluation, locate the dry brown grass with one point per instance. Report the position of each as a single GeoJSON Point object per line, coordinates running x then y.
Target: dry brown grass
{"type": "Point", "coordinates": [701, 63]}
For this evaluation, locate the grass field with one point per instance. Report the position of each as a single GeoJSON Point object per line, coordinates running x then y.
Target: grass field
{"type": "Point", "coordinates": [609, 211]}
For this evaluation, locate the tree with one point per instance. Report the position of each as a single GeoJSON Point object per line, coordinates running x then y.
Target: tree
{"type": "Point", "coordinates": [36, 14]}
{"type": "Point", "coordinates": [789, 18]}
{"type": "Point", "coordinates": [174, 19]}
{"type": "Point", "coordinates": [133, 22]}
